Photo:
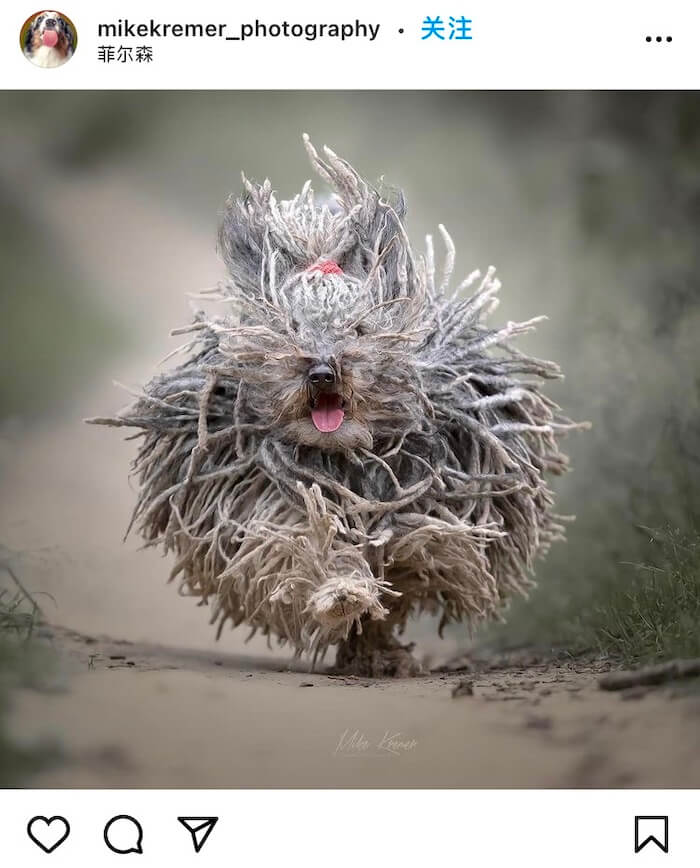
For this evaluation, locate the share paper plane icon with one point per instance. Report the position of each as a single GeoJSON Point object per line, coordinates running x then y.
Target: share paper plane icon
{"type": "Point", "coordinates": [200, 828]}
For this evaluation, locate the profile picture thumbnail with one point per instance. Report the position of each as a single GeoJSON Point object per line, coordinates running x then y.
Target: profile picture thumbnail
{"type": "Point", "coordinates": [48, 38]}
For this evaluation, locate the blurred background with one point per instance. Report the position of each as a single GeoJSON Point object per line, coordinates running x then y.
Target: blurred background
{"type": "Point", "coordinates": [588, 204]}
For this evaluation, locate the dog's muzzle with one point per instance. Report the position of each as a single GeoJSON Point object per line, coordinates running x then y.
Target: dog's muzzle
{"type": "Point", "coordinates": [327, 405]}
{"type": "Point", "coordinates": [322, 378]}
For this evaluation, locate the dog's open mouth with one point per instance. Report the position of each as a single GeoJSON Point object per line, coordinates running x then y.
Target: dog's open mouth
{"type": "Point", "coordinates": [49, 38]}
{"type": "Point", "coordinates": [327, 412]}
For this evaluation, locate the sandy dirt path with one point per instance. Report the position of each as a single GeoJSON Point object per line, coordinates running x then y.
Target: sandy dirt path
{"type": "Point", "coordinates": [183, 711]}
{"type": "Point", "coordinates": [138, 715]}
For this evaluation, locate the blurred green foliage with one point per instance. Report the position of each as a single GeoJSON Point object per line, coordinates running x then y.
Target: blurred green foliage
{"type": "Point", "coordinates": [53, 336]}
{"type": "Point", "coordinates": [653, 612]}
{"type": "Point", "coordinates": [636, 612]}
{"type": "Point", "coordinates": [638, 207]}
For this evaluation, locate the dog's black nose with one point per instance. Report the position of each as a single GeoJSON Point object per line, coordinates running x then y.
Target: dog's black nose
{"type": "Point", "coordinates": [50, 22]}
{"type": "Point", "coordinates": [322, 376]}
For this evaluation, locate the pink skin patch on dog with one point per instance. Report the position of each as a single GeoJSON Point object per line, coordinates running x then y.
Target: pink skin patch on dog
{"type": "Point", "coordinates": [327, 266]}
{"type": "Point", "coordinates": [328, 415]}
{"type": "Point", "coordinates": [50, 38]}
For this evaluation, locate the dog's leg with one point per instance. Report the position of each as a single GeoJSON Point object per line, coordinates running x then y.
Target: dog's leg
{"type": "Point", "coordinates": [345, 597]}
{"type": "Point", "coordinates": [375, 653]}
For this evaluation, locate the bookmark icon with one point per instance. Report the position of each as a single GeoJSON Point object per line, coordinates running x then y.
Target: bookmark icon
{"type": "Point", "coordinates": [651, 830]}
{"type": "Point", "coordinates": [200, 828]}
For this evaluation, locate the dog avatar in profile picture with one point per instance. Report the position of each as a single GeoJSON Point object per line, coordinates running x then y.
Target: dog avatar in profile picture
{"type": "Point", "coordinates": [48, 39]}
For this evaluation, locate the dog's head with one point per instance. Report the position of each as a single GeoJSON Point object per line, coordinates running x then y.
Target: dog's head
{"type": "Point", "coordinates": [328, 314]}
{"type": "Point", "coordinates": [334, 373]}
{"type": "Point", "coordinates": [50, 29]}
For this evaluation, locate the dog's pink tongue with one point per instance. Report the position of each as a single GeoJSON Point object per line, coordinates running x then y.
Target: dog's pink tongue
{"type": "Point", "coordinates": [50, 38]}
{"type": "Point", "coordinates": [328, 415]}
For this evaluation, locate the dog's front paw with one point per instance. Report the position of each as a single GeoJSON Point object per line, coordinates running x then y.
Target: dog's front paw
{"type": "Point", "coordinates": [343, 601]}
{"type": "Point", "coordinates": [339, 601]}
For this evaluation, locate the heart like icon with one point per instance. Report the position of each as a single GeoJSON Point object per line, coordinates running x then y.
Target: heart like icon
{"type": "Point", "coordinates": [48, 832]}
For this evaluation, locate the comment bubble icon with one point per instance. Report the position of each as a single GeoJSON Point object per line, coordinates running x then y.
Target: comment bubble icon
{"type": "Point", "coordinates": [123, 834]}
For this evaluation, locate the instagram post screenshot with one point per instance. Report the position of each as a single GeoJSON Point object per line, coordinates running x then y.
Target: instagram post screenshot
{"type": "Point", "coordinates": [350, 433]}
